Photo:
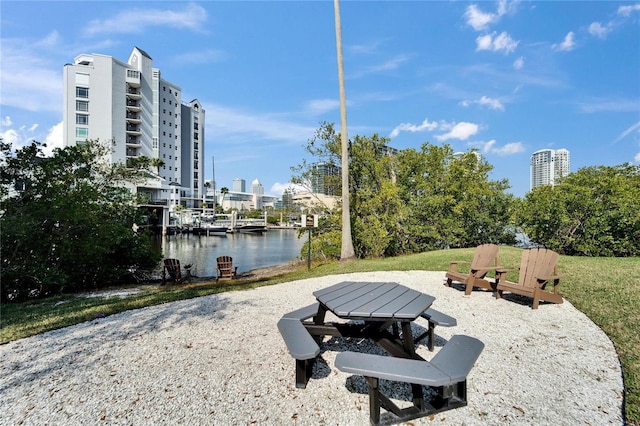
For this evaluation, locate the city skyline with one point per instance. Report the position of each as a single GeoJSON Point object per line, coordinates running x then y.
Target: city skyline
{"type": "Point", "coordinates": [505, 78]}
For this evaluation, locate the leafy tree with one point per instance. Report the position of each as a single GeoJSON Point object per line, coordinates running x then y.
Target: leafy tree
{"type": "Point", "coordinates": [593, 212]}
{"type": "Point", "coordinates": [414, 201]}
{"type": "Point", "coordinates": [69, 225]}
{"type": "Point", "coordinates": [453, 203]}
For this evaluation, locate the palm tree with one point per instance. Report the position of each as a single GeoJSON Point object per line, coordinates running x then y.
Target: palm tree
{"type": "Point", "coordinates": [157, 163]}
{"type": "Point", "coordinates": [347, 253]}
{"type": "Point", "coordinates": [224, 191]}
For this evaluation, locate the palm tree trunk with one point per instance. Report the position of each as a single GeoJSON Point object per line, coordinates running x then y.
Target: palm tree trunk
{"type": "Point", "coordinates": [347, 253]}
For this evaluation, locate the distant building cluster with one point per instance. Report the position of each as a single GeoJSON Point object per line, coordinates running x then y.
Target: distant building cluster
{"type": "Point", "coordinates": [140, 114]}
{"type": "Point", "coordinates": [549, 165]}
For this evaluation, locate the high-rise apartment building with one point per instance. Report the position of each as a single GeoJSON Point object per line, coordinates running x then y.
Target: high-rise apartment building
{"type": "Point", "coordinates": [129, 105]}
{"type": "Point", "coordinates": [321, 178]}
{"type": "Point", "coordinates": [239, 185]}
{"type": "Point", "coordinates": [548, 165]}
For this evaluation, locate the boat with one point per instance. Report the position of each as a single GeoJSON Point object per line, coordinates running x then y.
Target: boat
{"type": "Point", "coordinates": [251, 228]}
{"type": "Point", "coordinates": [217, 230]}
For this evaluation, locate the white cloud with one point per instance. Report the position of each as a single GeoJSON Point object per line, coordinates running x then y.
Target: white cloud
{"type": "Point", "coordinates": [567, 44]}
{"type": "Point", "coordinates": [321, 106]}
{"type": "Point", "coordinates": [598, 30]}
{"type": "Point", "coordinates": [490, 147]}
{"type": "Point", "coordinates": [509, 149]}
{"type": "Point", "coordinates": [54, 139]}
{"type": "Point", "coordinates": [137, 21]}
{"type": "Point", "coordinates": [390, 65]}
{"type": "Point", "coordinates": [478, 19]}
{"type": "Point", "coordinates": [279, 188]}
{"type": "Point", "coordinates": [486, 101]}
{"type": "Point", "coordinates": [461, 131]}
{"type": "Point", "coordinates": [24, 135]}
{"type": "Point", "coordinates": [627, 10]}
{"type": "Point", "coordinates": [634, 128]}
{"type": "Point", "coordinates": [236, 126]}
{"type": "Point", "coordinates": [408, 127]}
{"type": "Point", "coordinates": [502, 42]}
{"type": "Point", "coordinates": [637, 158]}
{"type": "Point", "coordinates": [518, 63]}
{"type": "Point", "coordinates": [28, 81]}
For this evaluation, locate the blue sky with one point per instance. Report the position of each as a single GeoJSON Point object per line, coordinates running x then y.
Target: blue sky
{"type": "Point", "coordinates": [506, 78]}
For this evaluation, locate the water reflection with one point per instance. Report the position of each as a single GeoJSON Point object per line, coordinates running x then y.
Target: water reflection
{"type": "Point", "coordinates": [275, 247]}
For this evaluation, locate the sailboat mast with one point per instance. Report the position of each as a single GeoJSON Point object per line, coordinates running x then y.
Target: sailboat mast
{"type": "Point", "coordinates": [213, 182]}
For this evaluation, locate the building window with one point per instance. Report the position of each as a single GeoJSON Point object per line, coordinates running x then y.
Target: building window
{"type": "Point", "coordinates": [82, 132]}
{"type": "Point", "coordinates": [164, 88]}
{"type": "Point", "coordinates": [169, 112]}
{"type": "Point", "coordinates": [82, 106]}
{"type": "Point", "coordinates": [155, 143]}
{"type": "Point", "coordinates": [164, 111]}
{"type": "Point", "coordinates": [164, 121]}
{"type": "Point", "coordinates": [164, 99]}
{"type": "Point", "coordinates": [82, 92]}
{"type": "Point", "coordinates": [82, 119]}
{"type": "Point", "coordinates": [164, 133]}
{"type": "Point", "coordinates": [176, 137]}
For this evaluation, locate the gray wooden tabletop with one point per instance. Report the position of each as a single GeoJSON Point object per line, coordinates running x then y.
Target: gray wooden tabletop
{"type": "Point", "coordinates": [374, 300]}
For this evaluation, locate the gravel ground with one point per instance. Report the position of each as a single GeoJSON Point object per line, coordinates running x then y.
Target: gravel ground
{"type": "Point", "coordinates": [219, 360]}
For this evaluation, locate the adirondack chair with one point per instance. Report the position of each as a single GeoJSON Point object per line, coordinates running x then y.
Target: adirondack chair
{"type": "Point", "coordinates": [225, 268]}
{"type": "Point", "coordinates": [173, 271]}
{"type": "Point", "coordinates": [538, 267]}
{"type": "Point", "coordinates": [484, 256]}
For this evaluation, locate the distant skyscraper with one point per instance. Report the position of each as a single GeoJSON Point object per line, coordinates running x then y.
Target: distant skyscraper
{"type": "Point", "coordinates": [320, 172]}
{"type": "Point", "coordinates": [256, 187]}
{"type": "Point", "coordinates": [548, 165]}
{"type": "Point", "coordinates": [239, 185]}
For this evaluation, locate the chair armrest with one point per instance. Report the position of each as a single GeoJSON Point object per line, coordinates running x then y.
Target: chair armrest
{"type": "Point", "coordinates": [459, 261]}
{"type": "Point", "coordinates": [549, 278]}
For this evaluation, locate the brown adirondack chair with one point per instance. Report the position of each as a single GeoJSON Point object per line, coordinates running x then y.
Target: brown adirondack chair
{"type": "Point", "coordinates": [173, 271]}
{"type": "Point", "coordinates": [538, 267]}
{"type": "Point", "coordinates": [485, 259]}
{"type": "Point", "coordinates": [225, 268]}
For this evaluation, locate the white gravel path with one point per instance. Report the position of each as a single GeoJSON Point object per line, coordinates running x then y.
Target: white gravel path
{"type": "Point", "coordinates": [219, 360]}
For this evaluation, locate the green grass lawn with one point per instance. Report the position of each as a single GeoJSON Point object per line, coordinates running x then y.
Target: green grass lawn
{"type": "Point", "coordinates": [607, 290]}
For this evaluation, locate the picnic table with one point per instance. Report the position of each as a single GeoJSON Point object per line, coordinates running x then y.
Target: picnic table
{"type": "Point", "coordinates": [372, 309]}
{"type": "Point", "coordinates": [383, 312]}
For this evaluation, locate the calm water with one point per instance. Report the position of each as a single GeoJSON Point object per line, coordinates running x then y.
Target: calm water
{"type": "Point", "coordinates": [275, 247]}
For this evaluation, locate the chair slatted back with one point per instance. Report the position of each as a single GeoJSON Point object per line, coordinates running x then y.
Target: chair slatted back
{"type": "Point", "coordinates": [538, 262]}
{"type": "Point", "coordinates": [225, 265]}
{"type": "Point", "coordinates": [172, 266]}
{"type": "Point", "coordinates": [485, 256]}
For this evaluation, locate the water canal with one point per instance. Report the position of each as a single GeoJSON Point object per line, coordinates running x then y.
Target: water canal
{"type": "Point", "coordinates": [249, 251]}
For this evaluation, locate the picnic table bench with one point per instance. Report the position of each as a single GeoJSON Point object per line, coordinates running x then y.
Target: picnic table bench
{"type": "Point", "coordinates": [302, 346]}
{"type": "Point", "coordinates": [447, 373]}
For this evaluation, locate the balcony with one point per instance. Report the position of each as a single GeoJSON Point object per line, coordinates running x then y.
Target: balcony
{"type": "Point", "coordinates": [133, 118]}
{"type": "Point", "coordinates": [133, 93]}
{"type": "Point", "coordinates": [133, 130]}
{"type": "Point", "coordinates": [133, 105]}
